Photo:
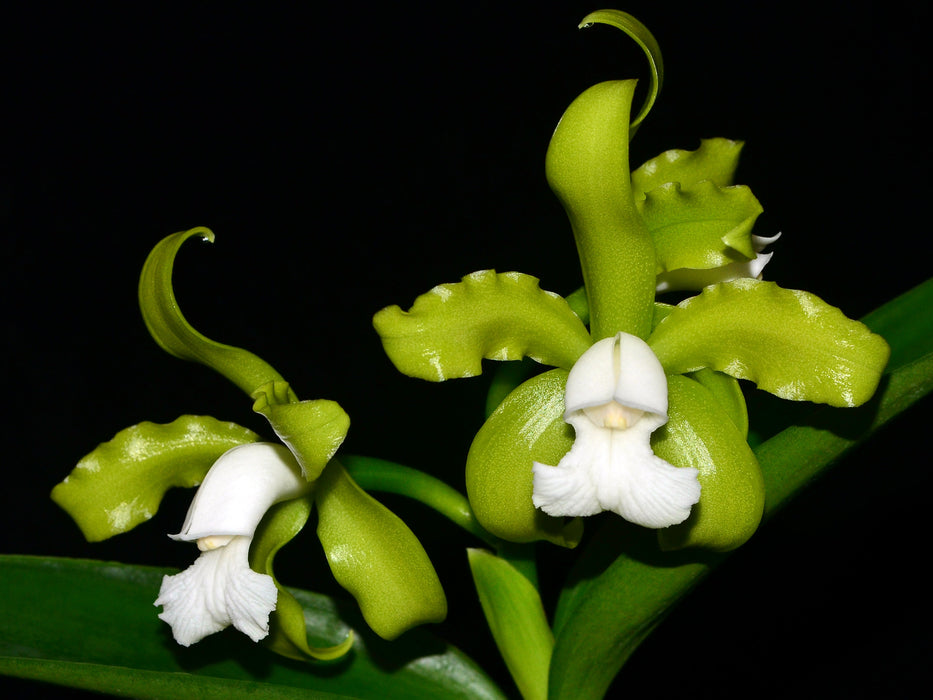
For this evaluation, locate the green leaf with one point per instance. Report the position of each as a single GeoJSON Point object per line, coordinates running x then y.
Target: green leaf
{"type": "Point", "coordinates": [92, 625]}
{"type": "Point", "coordinates": [527, 426]}
{"type": "Point", "coordinates": [700, 226]}
{"type": "Point", "coordinates": [645, 39]}
{"type": "Point", "coordinates": [790, 343]}
{"type": "Point", "coordinates": [715, 160]}
{"type": "Point", "coordinates": [702, 435]}
{"type": "Point", "coordinates": [120, 484]}
{"type": "Point", "coordinates": [506, 316]}
{"type": "Point", "coordinates": [175, 335]}
{"type": "Point", "coordinates": [516, 619]}
{"type": "Point", "coordinates": [376, 557]}
{"type": "Point", "coordinates": [312, 430]}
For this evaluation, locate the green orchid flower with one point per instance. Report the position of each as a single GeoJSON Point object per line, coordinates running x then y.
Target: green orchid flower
{"type": "Point", "coordinates": [253, 498]}
{"type": "Point", "coordinates": [642, 414]}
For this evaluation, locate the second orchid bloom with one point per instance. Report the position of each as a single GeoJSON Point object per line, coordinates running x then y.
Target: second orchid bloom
{"type": "Point", "coordinates": [643, 414]}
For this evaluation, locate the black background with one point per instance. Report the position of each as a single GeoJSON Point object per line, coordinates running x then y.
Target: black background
{"type": "Point", "coordinates": [352, 158]}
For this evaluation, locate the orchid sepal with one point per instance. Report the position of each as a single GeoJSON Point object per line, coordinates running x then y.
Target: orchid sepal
{"type": "Point", "coordinates": [789, 342]}
{"type": "Point", "coordinates": [527, 426]}
{"type": "Point", "coordinates": [701, 434]}
{"type": "Point", "coordinates": [376, 557]}
{"type": "Point", "coordinates": [487, 315]}
{"type": "Point", "coordinates": [121, 483]}
{"type": "Point", "coordinates": [173, 333]}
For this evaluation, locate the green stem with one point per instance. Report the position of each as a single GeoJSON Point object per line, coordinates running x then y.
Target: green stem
{"type": "Point", "coordinates": [374, 474]}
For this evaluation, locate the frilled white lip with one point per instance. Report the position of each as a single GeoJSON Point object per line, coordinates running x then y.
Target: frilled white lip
{"type": "Point", "coordinates": [220, 589]}
{"type": "Point", "coordinates": [692, 279]}
{"type": "Point", "coordinates": [616, 396]}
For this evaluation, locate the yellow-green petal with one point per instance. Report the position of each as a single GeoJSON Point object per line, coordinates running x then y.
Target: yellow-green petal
{"type": "Point", "coordinates": [527, 426]}
{"type": "Point", "coordinates": [287, 630]}
{"type": "Point", "coordinates": [449, 330]}
{"type": "Point", "coordinates": [175, 335]}
{"type": "Point", "coordinates": [312, 430]}
{"type": "Point", "coordinates": [715, 160]}
{"type": "Point", "coordinates": [789, 342]}
{"type": "Point", "coordinates": [120, 484]}
{"type": "Point", "coordinates": [376, 557]}
{"type": "Point", "coordinates": [702, 435]}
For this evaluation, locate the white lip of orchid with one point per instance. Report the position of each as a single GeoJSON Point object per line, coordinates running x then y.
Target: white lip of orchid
{"type": "Point", "coordinates": [220, 589]}
{"type": "Point", "coordinates": [694, 279]}
{"type": "Point", "coordinates": [616, 396]}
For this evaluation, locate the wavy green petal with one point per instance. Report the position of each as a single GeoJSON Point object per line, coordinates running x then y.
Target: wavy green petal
{"type": "Point", "coordinates": [702, 435]}
{"type": "Point", "coordinates": [175, 335]}
{"type": "Point", "coordinates": [312, 430]}
{"type": "Point", "coordinates": [790, 343]}
{"type": "Point", "coordinates": [645, 39]}
{"type": "Point", "coordinates": [527, 426]}
{"type": "Point", "coordinates": [288, 634]}
{"type": "Point", "coordinates": [506, 316]}
{"type": "Point", "coordinates": [376, 557]}
{"type": "Point", "coordinates": [120, 484]}
{"type": "Point", "coordinates": [715, 160]}
{"type": "Point", "coordinates": [700, 226]}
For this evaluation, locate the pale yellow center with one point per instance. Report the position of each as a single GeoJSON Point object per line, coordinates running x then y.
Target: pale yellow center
{"type": "Point", "coordinates": [613, 415]}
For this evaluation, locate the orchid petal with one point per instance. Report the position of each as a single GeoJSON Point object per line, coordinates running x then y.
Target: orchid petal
{"type": "Point", "coordinates": [527, 426]}
{"type": "Point", "coordinates": [218, 590]}
{"type": "Point", "coordinates": [715, 160]}
{"type": "Point", "coordinates": [790, 343]}
{"type": "Point", "coordinates": [449, 330]}
{"type": "Point", "coordinates": [121, 483]}
{"type": "Point", "coordinates": [238, 490]}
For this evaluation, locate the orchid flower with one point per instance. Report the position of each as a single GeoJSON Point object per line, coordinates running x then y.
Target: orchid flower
{"type": "Point", "coordinates": [620, 439]}
{"type": "Point", "coordinates": [255, 497]}
{"type": "Point", "coordinates": [220, 589]}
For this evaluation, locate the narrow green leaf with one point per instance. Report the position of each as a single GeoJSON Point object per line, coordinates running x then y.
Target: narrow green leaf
{"type": "Point", "coordinates": [92, 625]}
{"type": "Point", "coordinates": [175, 335]}
{"type": "Point", "coordinates": [516, 618]}
{"type": "Point", "coordinates": [376, 557]}
{"type": "Point", "coordinates": [715, 160]}
{"type": "Point", "coordinates": [527, 426]}
{"type": "Point", "coordinates": [120, 484]}
{"type": "Point", "coordinates": [505, 316]}
{"type": "Point", "coordinates": [645, 39]}
{"type": "Point", "coordinates": [790, 343]}
{"type": "Point", "coordinates": [700, 226]}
